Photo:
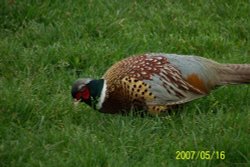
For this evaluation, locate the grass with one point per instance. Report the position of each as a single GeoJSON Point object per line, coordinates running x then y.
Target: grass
{"type": "Point", "coordinates": [46, 45]}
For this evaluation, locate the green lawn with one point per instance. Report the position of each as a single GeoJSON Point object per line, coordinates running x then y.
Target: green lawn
{"type": "Point", "coordinates": [46, 45]}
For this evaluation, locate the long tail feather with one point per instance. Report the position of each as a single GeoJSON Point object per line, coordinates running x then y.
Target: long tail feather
{"type": "Point", "coordinates": [234, 74]}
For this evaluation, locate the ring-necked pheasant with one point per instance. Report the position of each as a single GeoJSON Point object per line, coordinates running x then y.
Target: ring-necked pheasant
{"type": "Point", "coordinates": [156, 82]}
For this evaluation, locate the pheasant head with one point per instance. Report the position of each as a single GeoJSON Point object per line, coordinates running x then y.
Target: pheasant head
{"type": "Point", "coordinates": [88, 90]}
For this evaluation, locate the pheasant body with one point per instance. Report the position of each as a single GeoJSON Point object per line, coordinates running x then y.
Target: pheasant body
{"type": "Point", "coordinates": [156, 82]}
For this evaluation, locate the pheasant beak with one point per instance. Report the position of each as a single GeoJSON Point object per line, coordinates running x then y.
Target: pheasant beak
{"type": "Point", "coordinates": [76, 102]}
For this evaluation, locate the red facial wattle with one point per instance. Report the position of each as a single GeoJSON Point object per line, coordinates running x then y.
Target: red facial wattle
{"type": "Point", "coordinates": [84, 94]}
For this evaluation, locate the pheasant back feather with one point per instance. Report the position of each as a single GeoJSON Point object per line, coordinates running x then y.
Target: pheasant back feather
{"type": "Point", "coordinates": [152, 83]}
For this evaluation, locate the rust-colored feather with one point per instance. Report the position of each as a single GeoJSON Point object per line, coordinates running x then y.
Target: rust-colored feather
{"type": "Point", "coordinates": [127, 80]}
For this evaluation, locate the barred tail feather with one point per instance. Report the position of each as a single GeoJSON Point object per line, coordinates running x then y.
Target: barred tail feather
{"type": "Point", "coordinates": [234, 74]}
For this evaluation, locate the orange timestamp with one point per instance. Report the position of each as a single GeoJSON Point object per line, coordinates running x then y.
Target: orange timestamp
{"type": "Point", "coordinates": [202, 155]}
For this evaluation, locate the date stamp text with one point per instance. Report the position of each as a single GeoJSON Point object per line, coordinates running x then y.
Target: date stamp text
{"type": "Point", "coordinates": [202, 155]}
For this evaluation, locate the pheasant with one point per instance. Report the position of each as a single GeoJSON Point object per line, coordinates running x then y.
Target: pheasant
{"type": "Point", "coordinates": [156, 82]}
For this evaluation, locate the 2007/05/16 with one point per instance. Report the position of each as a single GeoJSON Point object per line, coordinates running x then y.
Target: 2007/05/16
{"type": "Point", "coordinates": [203, 155]}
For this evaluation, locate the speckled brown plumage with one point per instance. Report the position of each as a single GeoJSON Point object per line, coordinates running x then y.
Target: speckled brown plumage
{"type": "Point", "coordinates": [126, 76]}
{"type": "Point", "coordinates": [125, 81]}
